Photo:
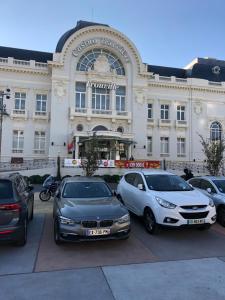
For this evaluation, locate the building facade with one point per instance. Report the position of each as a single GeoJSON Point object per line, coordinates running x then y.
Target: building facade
{"type": "Point", "coordinates": [95, 83]}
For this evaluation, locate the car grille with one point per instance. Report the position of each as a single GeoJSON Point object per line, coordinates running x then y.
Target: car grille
{"type": "Point", "coordinates": [106, 223]}
{"type": "Point", "coordinates": [199, 215]}
{"type": "Point", "coordinates": [94, 224]}
{"type": "Point", "coordinates": [89, 224]}
{"type": "Point", "coordinates": [193, 206]}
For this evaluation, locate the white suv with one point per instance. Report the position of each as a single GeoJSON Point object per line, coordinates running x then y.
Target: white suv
{"type": "Point", "coordinates": [163, 198]}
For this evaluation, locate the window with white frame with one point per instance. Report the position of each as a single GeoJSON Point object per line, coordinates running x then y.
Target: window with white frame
{"type": "Point", "coordinates": [18, 141]}
{"type": "Point", "coordinates": [215, 131]}
{"type": "Point", "coordinates": [20, 100]}
{"type": "Point", "coordinates": [164, 145]}
{"type": "Point", "coordinates": [164, 112]}
{"type": "Point", "coordinates": [149, 110]}
{"type": "Point", "coordinates": [149, 145]}
{"type": "Point", "coordinates": [181, 146]}
{"type": "Point", "coordinates": [100, 98]}
{"type": "Point", "coordinates": [80, 94]}
{"type": "Point", "coordinates": [41, 104]}
{"type": "Point", "coordinates": [180, 113]}
{"type": "Point", "coordinates": [120, 98]}
{"type": "Point", "coordinates": [39, 142]}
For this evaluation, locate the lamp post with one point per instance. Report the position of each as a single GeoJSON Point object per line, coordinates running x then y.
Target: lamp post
{"type": "Point", "coordinates": [3, 113]}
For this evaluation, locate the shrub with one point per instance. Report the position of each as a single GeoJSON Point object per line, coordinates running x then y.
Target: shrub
{"type": "Point", "coordinates": [35, 179]}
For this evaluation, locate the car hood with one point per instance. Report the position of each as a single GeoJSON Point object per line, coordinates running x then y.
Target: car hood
{"type": "Point", "coordinates": [89, 208]}
{"type": "Point", "coordinates": [181, 198]}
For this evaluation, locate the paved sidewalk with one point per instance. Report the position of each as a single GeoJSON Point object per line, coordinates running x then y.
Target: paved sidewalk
{"type": "Point", "coordinates": [174, 265]}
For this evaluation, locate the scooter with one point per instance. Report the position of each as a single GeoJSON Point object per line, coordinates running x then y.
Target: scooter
{"type": "Point", "coordinates": [50, 186]}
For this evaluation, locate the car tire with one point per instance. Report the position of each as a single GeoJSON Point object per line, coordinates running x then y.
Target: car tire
{"type": "Point", "coordinates": [221, 216]}
{"type": "Point", "coordinates": [57, 239]}
{"type": "Point", "coordinates": [23, 239]}
{"type": "Point", "coordinates": [150, 222]}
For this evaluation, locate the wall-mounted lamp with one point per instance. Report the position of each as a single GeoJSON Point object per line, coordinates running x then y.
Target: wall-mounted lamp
{"type": "Point", "coordinates": [144, 146]}
{"type": "Point", "coordinates": [134, 146]}
{"type": "Point", "coordinates": [64, 144]}
{"type": "Point", "coordinates": [52, 143]}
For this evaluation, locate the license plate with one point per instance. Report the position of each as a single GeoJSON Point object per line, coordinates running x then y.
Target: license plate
{"type": "Point", "coordinates": [196, 221]}
{"type": "Point", "coordinates": [91, 232]}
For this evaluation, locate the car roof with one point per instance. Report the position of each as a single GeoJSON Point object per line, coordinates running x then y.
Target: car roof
{"type": "Point", "coordinates": [151, 172]}
{"type": "Point", "coordinates": [10, 176]}
{"type": "Point", "coordinates": [210, 177]}
{"type": "Point", "coordinates": [83, 179]}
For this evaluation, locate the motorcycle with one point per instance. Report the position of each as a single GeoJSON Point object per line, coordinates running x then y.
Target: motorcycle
{"type": "Point", "coordinates": [50, 186]}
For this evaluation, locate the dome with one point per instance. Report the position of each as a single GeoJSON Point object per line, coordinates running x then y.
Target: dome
{"type": "Point", "coordinates": [80, 25]}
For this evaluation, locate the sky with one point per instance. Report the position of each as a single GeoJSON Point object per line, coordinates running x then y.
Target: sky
{"type": "Point", "coordinates": [166, 32]}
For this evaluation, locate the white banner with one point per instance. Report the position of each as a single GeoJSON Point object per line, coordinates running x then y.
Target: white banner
{"type": "Point", "coordinates": [104, 163]}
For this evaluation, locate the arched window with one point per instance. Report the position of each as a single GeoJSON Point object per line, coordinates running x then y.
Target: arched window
{"type": "Point", "coordinates": [87, 61]}
{"type": "Point", "coordinates": [100, 128]}
{"type": "Point", "coordinates": [215, 131]}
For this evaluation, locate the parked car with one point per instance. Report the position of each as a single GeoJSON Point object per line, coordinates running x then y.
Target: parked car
{"type": "Point", "coordinates": [16, 208]}
{"type": "Point", "coordinates": [213, 187]}
{"type": "Point", "coordinates": [163, 198]}
{"type": "Point", "coordinates": [85, 208]}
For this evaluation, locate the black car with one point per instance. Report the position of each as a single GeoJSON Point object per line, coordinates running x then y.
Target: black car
{"type": "Point", "coordinates": [16, 208]}
{"type": "Point", "coordinates": [86, 209]}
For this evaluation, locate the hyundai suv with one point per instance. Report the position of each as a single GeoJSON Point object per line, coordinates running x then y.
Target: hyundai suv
{"type": "Point", "coordinates": [163, 198]}
{"type": "Point", "coordinates": [16, 208]}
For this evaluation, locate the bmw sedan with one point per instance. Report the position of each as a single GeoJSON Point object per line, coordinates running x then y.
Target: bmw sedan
{"type": "Point", "coordinates": [86, 209]}
{"type": "Point", "coordinates": [165, 199]}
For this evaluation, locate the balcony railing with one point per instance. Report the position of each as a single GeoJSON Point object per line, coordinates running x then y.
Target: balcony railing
{"type": "Point", "coordinates": [81, 110]}
{"type": "Point", "coordinates": [19, 113]}
{"type": "Point", "coordinates": [101, 112]}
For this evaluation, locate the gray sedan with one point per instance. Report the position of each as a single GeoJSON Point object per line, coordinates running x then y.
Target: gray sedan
{"type": "Point", "coordinates": [86, 209]}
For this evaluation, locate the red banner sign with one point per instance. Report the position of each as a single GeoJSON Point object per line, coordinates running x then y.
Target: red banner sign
{"type": "Point", "coordinates": [142, 164]}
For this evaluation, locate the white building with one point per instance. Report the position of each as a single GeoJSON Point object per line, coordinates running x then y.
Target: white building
{"type": "Point", "coordinates": [95, 81]}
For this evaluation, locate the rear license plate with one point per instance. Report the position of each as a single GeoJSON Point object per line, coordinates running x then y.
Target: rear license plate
{"type": "Point", "coordinates": [91, 232]}
{"type": "Point", "coordinates": [196, 221]}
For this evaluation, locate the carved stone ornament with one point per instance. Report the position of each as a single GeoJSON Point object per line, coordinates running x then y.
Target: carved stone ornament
{"type": "Point", "coordinates": [102, 65]}
{"type": "Point", "coordinates": [139, 97]}
{"type": "Point", "coordinates": [198, 108]}
{"type": "Point", "coordinates": [60, 89]}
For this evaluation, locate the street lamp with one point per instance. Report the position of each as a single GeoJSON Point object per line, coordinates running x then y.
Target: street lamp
{"type": "Point", "coordinates": [3, 113]}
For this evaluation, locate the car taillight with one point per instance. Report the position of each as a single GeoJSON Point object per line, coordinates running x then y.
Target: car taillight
{"type": "Point", "coordinates": [12, 207]}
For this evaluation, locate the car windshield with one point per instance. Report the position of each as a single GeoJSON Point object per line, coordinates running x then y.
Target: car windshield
{"type": "Point", "coordinates": [220, 184]}
{"type": "Point", "coordinates": [6, 191]}
{"type": "Point", "coordinates": [86, 190]}
{"type": "Point", "coordinates": [169, 183]}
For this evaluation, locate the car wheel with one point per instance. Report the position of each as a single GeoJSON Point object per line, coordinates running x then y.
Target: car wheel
{"type": "Point", "coordinates": [150, 223]}
{"type": "Point", "coordinates": [221, 216]}
{"type": "Point", "coordinates": [56, 233]}
{"type": "Point", "coordinates": [23, 239]}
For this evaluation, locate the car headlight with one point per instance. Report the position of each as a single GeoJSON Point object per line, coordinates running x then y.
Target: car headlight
{"type": "Point", "coordinates": [124, 219]}
{"type": "Point", "coordinates": [66, 221]}
{"type": "Point", "coordinates": [211, 203]}
{"type": "Point", "coordinates": [165, 203]}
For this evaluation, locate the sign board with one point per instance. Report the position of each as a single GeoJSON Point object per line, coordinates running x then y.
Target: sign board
{"type": "Point", "coordinates": [128, 164]}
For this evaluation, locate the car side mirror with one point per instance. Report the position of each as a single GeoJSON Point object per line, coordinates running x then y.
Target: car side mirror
{"type": "Point", "coordinates": [209, 190]}
{"type": "Point", "coordinates": [141, 187]}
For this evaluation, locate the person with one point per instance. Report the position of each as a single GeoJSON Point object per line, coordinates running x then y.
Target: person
{"type": "Point", "coordinates": [187, 174]}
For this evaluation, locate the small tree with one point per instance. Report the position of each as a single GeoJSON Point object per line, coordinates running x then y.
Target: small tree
{"type": "Point", "coordinates": [90, 162]}
{"type": "Point", "coordinates": [213, 151]}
